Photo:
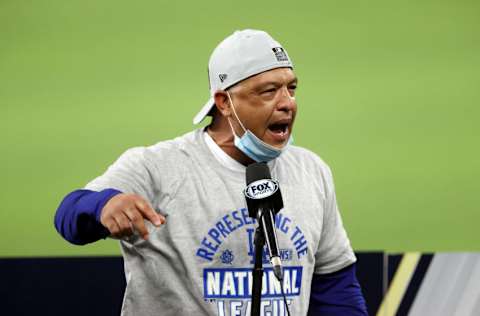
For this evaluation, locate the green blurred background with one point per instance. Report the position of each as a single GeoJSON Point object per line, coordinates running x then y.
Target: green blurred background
{"type": "Point", "coordinates": [388, 96]}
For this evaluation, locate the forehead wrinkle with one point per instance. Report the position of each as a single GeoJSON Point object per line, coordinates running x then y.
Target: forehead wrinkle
{"type": "Point", "coordinates": [276, 83]}
{"type": "Point", "coordinates": [277, 80]}
{"type": "Point", "coordinates": [272, 77]}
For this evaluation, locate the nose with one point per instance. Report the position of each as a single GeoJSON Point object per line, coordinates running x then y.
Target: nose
{"type": "Point", "coordinates": [286, 100]}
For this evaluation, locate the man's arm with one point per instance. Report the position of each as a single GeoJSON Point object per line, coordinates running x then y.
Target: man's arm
{"type": "Point", "coordinates": [78, 217]}
{"type": "Point", "coordinates": [86, 216]}
{"type": "Point", "coordinates": [337, 294]}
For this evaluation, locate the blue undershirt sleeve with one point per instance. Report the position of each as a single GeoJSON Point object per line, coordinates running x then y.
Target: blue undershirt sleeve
{"type": "Point", "coordinates": [337, 294]}
{"type": "Point", "coordinates": [78, 217]}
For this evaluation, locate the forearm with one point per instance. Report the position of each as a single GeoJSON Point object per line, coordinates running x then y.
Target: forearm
{"type": "Point", "coordinates": [337, 294]}
{"type": "Point", "coordinates": [78, 217]}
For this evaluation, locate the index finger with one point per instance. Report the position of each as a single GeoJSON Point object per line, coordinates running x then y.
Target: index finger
{"type": "Point", "coordinates": [149, 213]}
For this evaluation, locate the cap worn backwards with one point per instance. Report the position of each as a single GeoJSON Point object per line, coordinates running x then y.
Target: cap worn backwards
{"type": "Point", "coordinates": [240, 56]}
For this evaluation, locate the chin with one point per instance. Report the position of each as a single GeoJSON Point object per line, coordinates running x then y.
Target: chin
{"type": "Point", "coordinates": [277, 144]}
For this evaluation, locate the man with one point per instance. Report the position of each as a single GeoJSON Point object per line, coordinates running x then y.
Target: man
{"type": "Point", "coordinates": [179, 211]}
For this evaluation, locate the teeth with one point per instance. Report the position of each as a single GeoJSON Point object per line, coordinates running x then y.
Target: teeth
{"type": "Point", "coordinates": [279, 129]}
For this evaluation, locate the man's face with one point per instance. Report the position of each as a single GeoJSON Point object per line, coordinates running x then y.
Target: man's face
{"type": "Point", "coordinates": [265, 104]}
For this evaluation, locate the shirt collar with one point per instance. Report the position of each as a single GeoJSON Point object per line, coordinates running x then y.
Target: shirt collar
{"type": "Point", "coordinates": [222, 156]}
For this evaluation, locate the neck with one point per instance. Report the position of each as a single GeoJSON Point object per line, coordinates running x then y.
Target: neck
{"type": "Point", "coordinates": [221, 133]}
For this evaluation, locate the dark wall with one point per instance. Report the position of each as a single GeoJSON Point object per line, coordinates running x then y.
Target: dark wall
{"type": "Point", "coordinates": [95, 285]}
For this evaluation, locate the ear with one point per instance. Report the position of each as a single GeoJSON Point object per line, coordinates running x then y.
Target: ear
{"type": "Point", "coordinates": [222, 103]}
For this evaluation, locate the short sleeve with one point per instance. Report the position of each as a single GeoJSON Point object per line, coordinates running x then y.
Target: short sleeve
{"type": "Point", "coordinates": [131, 173]}
{"type": "Point", "coordinates": [334, 251]}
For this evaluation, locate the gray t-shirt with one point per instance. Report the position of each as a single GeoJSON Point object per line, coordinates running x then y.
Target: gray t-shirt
{"type": "Point", "coordinates": [199, 262]}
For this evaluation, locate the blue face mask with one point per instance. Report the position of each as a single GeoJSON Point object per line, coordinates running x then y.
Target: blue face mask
{"type": "Point", "coordinates": [252, 146]}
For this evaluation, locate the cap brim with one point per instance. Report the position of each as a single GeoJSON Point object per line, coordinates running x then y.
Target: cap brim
{"type": "Point", "coordinates": [204, 111]}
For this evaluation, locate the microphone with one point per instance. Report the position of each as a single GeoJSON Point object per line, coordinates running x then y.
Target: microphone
{"type": "Point", "coordinates": [264, 201]}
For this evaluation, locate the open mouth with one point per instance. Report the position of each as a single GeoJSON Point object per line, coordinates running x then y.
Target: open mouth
{"type": "Point", "coordinates": [280, 130]}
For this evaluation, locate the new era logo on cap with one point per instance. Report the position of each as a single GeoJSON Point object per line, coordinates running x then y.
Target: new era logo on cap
{"type": "Point", "coordinates": [222, 77]}
{"type": "Point", "coordinates": [280, 54]}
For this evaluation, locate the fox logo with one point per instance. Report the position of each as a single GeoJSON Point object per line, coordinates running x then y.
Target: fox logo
{"type": "Point", "coordinates": [261, 189]}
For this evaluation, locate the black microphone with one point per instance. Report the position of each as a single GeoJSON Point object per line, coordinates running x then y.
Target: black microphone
{"type": "Point", "coordinates": [264, 201]}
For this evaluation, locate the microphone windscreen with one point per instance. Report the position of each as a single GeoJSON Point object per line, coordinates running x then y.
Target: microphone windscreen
{"type": "Point", "coordinates": [257, 171]}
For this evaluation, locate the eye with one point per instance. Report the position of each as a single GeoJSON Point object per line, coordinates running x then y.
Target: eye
{"type": "Point", "coordinates": [292, 89]}
{"type": "Point", "coordinates": [270, 90]}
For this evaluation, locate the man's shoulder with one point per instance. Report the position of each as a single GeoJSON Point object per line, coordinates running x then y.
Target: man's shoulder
{"type": "Point", "coordinates": [175, 145]}
{"type": "Point", "coordinates": [306, 157]}
{"type": "Point", "coordinates": [306, 164]}
{"type": "Point", "coordinates": [175, 149]}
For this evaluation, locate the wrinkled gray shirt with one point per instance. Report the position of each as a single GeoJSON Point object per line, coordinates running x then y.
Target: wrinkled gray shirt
{"type": "Point", "coordinates": [199, 262]}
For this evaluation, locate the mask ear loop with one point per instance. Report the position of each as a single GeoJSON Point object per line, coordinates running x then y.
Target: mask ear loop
{"type": "Point", "coordinates": [235, 113]}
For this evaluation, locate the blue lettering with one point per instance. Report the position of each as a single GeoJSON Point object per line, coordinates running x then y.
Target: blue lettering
{"type": "Point", "coordinates": [222, 229]}
{"type": "Point", "coordinates": [278, 220]}
{"type": "Point", "coordinates": [300, 242]}
{"type": "Point", "coordinates": [295, 233]}
{"type": "Point", "coordinates": [205, 254]}
{"type": "Point", "coordinates": [209, 245]}
{"type": "Point", "coordinates": [284, 228]}
{"type": "Point", "coordinates": [236, 283]}
{"type": "Point", "coordinates": [285, 254]}
{"type": "Point", "coordinates": [246, 219]}
{"type": "Point", "coordinates": [281, 222]}
{"type": "Point", "coordinates": [239, 219]}
{"type": "Point", "coordinates": [215, 234]}
{"type": "Point", "coordinates": [227, 222]}
{"type": "Point", "coordinates": [302, 252]}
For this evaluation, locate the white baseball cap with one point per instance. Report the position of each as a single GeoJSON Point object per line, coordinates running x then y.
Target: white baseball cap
{"type": "Point", "coordinates": [240, 56]}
